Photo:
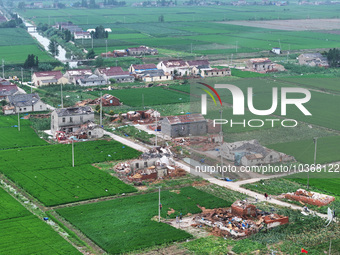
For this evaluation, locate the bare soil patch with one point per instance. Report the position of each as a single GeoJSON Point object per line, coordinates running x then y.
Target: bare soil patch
{"type": "Point", "coordinates": [291, 25]}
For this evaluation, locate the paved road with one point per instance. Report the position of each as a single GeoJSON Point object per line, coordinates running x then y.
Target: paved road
{"type": "Point", "coordinates": [229, 185]}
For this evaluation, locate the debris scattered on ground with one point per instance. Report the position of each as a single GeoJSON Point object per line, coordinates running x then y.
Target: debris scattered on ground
{"type": "Point", "coordinates": [308, 197]}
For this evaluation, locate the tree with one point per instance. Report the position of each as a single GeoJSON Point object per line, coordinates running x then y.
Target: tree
{"type": "Point", "coordinates": [31, 61]}
{"type": "Point", "coordinates": [83, 3]}
{"type": "Point", "coordinates": [21, 5]}
{"type": "Point", "coordinates": [100, 33]}
{"type": "Point", "coordinates": [333, 57]}
{"type": "Point", "coordinates": [99, 61]}
{"type": "Point", "coordinates": [53, 48]}
{"type": "Point", "coordinates": [90, 54]}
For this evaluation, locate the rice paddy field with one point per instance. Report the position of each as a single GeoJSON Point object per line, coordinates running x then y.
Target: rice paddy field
{"type": "Point", "coordinates": [23, 233]}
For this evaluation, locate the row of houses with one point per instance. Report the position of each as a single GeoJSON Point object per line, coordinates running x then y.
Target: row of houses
{"type": "Point", "coordinates": [135, 51]}
{"type": "Point", "coordinates": [163, 71]}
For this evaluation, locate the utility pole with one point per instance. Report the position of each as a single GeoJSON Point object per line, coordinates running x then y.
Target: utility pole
{"type": "Point", "coordinates": [3, 69]}
{"type": "Point", "coordinates": [18, 122]}
{"type": "Point", "coordinates": [156, 129]}
{"type": "Point", "coordinates": [316, 143]}
{"type": "Point", "coordinates": [159, 204]}
{"type": "Point", "coordinates": [191, 48]}
{"type": "Point", "coordinates": [61, 95]}
{"type": "Point", "coordinates": [72, 154]}
{"type": "Point", "coordinates": [221, 133]}
{"type": "Point", "coordinates": [92, 41]}
{"type": "Point", "coordinates": [101, 109]}
{"type": "Point", "coordinates": [22, 75]}
{"type": "Point", "coordinates": [31, 78]}
{"type": "Point", "coordinates": [106, 47]}
{"type": "Point", "coordinates": [236, 45]}
{"type": "Point", "coordinates": [143, 100]}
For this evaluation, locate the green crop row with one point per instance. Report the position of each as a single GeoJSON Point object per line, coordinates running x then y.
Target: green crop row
{"type": "Point", "coordinates": [25, 234]}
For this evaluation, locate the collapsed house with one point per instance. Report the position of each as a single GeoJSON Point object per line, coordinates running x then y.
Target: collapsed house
{"type": "Point", "coordinates": [154, 164]}
{"type": "Point", "coordinates": [242, 219]}
{"type": "Point", "coordinates": [308, 197]}
{"type": "Point", "coordinates": [107, 100]}
{"type": "Point", "coordinates": [142, 117]}
{"type": "Point", "coordinates": [261, 65]}
{"type": "Point", "coordinates": [250, 153]}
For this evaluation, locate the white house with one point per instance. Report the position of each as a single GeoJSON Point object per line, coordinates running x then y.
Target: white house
{"type": "Point", "coordinates": [175, 67]}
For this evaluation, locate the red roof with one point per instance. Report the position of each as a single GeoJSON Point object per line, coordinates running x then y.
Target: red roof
{"type": "Point", "coordinates": [144, 67]}
{"type": "Point", "coordinates": [198, 63]}
{"type": "Point", "coordinates": [112, 71]}
{"type": "Point", "coordinates": [56, 74]}
{"type": "Point", "coordinates": [7, 88]}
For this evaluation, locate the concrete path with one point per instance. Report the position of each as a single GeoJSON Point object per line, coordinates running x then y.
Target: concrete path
{"type": "Point", "coordinates": [229, 185]}
{"type": "Point", "coordinates": [127, 142]}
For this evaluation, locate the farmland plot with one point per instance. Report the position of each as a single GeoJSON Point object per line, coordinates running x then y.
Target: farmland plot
{"type": "Point", "coordinates": [48, 174]}
{"type": "Point", "coordinates": [152, 96]}
{"type": "Point", "coordinates": [12, 138]}
{"type": "Point", "coordinates": [125, 224]}
{"type": "Point", "coordinates": [327, 150]}
{"type": "Point", "coordinates": [25, 234]}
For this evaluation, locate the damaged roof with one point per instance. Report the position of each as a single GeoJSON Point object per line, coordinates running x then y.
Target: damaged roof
{"type": "Point", "coordinates": [188, 118]}
{"type": "Point", "coordinates": [113, 71]}
{"type": "Point", "coordinates": [73, 111]}
{"type": "Point", "coordinates": [21, 100]}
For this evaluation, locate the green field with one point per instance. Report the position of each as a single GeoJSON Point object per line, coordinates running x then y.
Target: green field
{"type": "Point", "coordinates": [324, 183]}
{"type": "Point", "coordinates": [152, 96]}
{"type": "Point", "coordinates": [327, 150]}
{"type": "Point", "coordinates": [125, 224]}
{"type": "Point", "coordinates": [12, 138]}
{"type": "Point", "coordinates": [328, 84]}
{"type": "Point", "coordinates": [195, 29]}
{"type": "Point", "coordinates": [324, 114]}
{"type": "Point", "coordinates": [23, 233]}
{"type": "Point", "coordinates": [16, 44]}
{"type": "Point", "coordinates": [48, 175]}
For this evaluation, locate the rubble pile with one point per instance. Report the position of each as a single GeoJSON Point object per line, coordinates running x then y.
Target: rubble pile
{"type": "Point", "coordinates": [242, 219]}
{"type": "Point", "coordinates": [309, 197]}
{"type": "Point", "coordinates": [154, 164]}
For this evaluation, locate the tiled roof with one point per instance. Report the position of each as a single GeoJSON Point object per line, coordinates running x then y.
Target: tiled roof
{"type": "Point", "coordinates": [7, 90]}
{"type": "Point", "coordinates": [56, 74]}
{"type": "Point", "coordinates": [144, 67]}
{"type": "Point", "coordinates": [112, 71]}
{"type": "Point", "coordinates": [21, 100]}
